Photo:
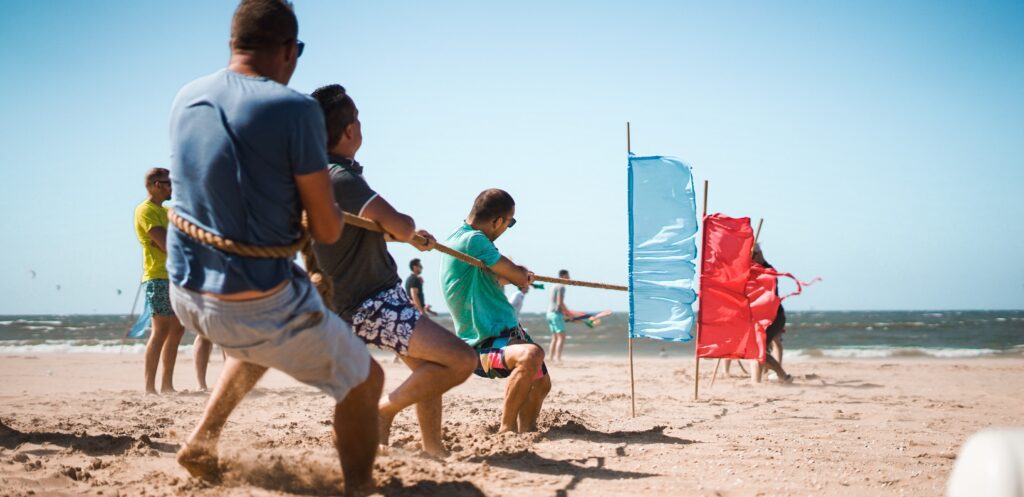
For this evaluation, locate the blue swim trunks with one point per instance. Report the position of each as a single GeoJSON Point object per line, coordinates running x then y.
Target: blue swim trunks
{"type": "Point", "coordinates": [556, 322]}
{"type": "Point", "coordinates": [158, 296]}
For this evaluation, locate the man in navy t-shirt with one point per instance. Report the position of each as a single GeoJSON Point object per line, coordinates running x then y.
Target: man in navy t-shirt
{"type": "Point", "coordinates": [248, 155]}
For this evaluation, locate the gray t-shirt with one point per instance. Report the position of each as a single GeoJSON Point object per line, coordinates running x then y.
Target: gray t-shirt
{"type": "Point", "coordinates": [237, 143]}
{"type": "Point", "coordinates": [359, 262]}
{"type": "Point", "coordinates": [556, 290]}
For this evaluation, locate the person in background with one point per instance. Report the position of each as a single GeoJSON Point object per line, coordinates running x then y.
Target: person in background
{"type": "Point", "coordinates": [151, 231]}
{"type": "Point", "coordinates": [414, 288]}
{"type": "Point", "coordinates": [557, 312]}
{"type": "Point", "coordinates": [774, 331]}
{"type": "Point", "coordinates": [517, 297]}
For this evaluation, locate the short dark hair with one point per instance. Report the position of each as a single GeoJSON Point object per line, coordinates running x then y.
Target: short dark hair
{"type": "Point", "coordinates": [492, 204]}
{"type": "Point", "coordinates": [263, 24]}
{"type": "Point", "coordinates": [413, 263]}
{"type": "Point", "coordinates": [339, 111]}
{"type": "Point", "coordinates": [156, 173]}
{"type": "Point", "coordinates": [563, 273]}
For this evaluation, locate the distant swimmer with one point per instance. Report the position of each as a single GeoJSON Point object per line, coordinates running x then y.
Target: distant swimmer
{"type": "Point", "coordinates": [151, 231]}
{"type": "Point", "coordinates": [249, 155]}
{"type": "Point", "coordinates": [483, 317]}
{"type": "Point", "coordinates": [368, 293]}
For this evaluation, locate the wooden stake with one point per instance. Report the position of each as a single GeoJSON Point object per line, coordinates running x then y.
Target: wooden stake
{"type": "Point", "coordinates": [629, 337]}
{"type": "Point", "coordinates": [757, 234]}
{"type": "Point", "coordinates": [629, 146]}
{"type": "Point", "coordinates": [632, 388]}
{"type": "Point", "coordinates": [696, 338]}
{"type": "Point", "coordinates": [755, 372]}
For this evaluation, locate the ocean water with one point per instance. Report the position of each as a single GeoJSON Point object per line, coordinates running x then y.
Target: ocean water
{"type": "Point", "coordinates": [834, 334]}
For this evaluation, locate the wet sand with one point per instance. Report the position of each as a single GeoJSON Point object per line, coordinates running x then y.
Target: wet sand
{"type": "Point", "coordinates": [77, 424]}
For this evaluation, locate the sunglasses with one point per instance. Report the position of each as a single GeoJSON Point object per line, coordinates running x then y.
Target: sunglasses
{"type": "Point", "coordinates": [298, 45]}
{"type": "Point", "coordinates": [512, 223]}
{"type": "Point", "coordinates": [163, 182]}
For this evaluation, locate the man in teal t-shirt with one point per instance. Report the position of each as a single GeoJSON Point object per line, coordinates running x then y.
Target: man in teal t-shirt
{"type": "Point", "coordinates": [483, 317]}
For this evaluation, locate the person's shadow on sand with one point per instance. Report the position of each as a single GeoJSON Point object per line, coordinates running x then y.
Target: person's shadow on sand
{"type": "Point", "coordinates": [576, 430]}
{"type": "Point", "coordinates": [532, 463]}
{"type": "Point", "coordinates": [94, 445]}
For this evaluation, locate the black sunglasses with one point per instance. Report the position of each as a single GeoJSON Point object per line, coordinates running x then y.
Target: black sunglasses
{"type": "Point", "coordinates": [512, 223]}
{"type": "Point", "coordinates": [298, 44]}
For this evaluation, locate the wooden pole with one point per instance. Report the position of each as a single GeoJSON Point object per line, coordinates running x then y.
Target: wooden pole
{"type": "Point", "coordinates": [696, 339]}
{"type": "Point", "coordinates": [629, 337]}
{"type": "Point", "coordinates": [629, 145]}
{"type": "Point", "coordinates": [757, 234]}
{"type": "Point", "coordinates": [757, 370]}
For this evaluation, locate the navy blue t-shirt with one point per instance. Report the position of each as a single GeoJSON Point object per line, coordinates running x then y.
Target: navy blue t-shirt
{"type": "Point", "coordinates": [237, 142]}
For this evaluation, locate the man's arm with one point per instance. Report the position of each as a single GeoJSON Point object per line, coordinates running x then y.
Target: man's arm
{"type": "Point", "coordinates": [400, 226]}
{"type": "Point", "coordinates": [158, 235]}
{"type": "Point", "coordinates": [323, 214]}
{"type": "Point", "coordinates": [561, 303]}
{"type": "Point", "coordinates": [415, 295]}
{"type": "Point", "coordinates": [512, 272]}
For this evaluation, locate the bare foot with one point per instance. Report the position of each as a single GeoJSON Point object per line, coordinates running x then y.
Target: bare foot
{"type": "Point", "coordinates": [438, 454]}
{"type": "Point", "coordinates": [164, 390]}
{"type": "Point", "coordinates": [151, 391]}
{"type": "Point", "coordinates": [504, 428]}
{"type": "Point", "coordinates": [199, 462]}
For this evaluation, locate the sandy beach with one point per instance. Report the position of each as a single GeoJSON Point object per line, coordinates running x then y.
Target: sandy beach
{"type": "Point", "coordinates": [77, 424]}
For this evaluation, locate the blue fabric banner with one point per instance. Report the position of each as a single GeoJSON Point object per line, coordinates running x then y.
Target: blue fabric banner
{"type": "Point", "coordinates": [662, 248]}
{"type": "Point", "coordinates": [141, 325]}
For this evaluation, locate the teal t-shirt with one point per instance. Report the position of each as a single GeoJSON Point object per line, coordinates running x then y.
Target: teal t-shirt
{"type": "Point", "coordinates": [478, 304]}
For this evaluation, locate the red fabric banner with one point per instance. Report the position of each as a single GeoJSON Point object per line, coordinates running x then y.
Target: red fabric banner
{"type": "Point", "coordinates": [737, 297]}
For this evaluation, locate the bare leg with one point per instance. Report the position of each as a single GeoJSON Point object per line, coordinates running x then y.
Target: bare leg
{"type": "Point", "coordinates": [553, 347]}
{"type": "Point", "coordinates": [728, 363]}
{"type": "Point", "coordinates": [531, 409]}
{"type": "Point", "coordinates": [774, 365]}
{"type": "Point", "coordinates": [559, 345]}
{"type": "Point", "coordinates": [777, 343]}
{"type": "Point", "coordinates": [201, 354]}
{"type": "Point", "coordinates": [429, 413]}
{"type": "Point", "coordinates": [355, 435]}
{"type": "Point", "coordinates": [157, 337]}
{"type": "Point", "coordinates": [525, 361]}
{"type": "Point", "coordinates": [440, 360]}
{"type": "Point", "coordinates": [755, 372]}
{"type": "Point", "coordinates": [169, 355]}
{"type": "Point", "coordinates": [199, 454]}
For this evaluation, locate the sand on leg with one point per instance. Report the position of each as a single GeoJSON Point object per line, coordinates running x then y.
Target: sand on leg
{"type": "Point", "coordinates": [199, 453]}
{"type": "Point", "coordinates": [534, 401]}
{"type": "Point", "coordinates": [525, 360]}
{"type": "Point", "coordinates": [439, 361]}
{"type": "Point", "coordinates": [356, 442]}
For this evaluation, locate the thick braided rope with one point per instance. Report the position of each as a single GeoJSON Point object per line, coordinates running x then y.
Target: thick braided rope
{"type": "Point", "coordinates": [233, 247]}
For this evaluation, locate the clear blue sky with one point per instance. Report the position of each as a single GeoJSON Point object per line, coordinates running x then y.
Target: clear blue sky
{"type": "Point", "coordinates": [883, 142]}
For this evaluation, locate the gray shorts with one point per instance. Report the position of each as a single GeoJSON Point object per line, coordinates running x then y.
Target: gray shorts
{"type": "Point", "coordinates": [290, 331]}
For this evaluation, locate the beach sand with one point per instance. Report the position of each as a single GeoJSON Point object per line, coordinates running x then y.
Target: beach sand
{"type": "Point", "coordinates": [77, 424]}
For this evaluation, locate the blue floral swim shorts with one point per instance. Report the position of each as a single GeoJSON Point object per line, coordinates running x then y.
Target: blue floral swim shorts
{"type": "Point", "coordinates": [386, 320]}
